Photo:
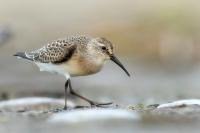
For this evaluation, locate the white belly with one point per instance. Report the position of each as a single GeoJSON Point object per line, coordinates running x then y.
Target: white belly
{"type": "Point", "coordinates": [49, 67]}
{"type": "Point", "coordinates": [65, 69]}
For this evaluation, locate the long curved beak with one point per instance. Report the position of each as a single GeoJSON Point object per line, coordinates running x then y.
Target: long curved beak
{"type": "Point", "coordinates": [114, 59]}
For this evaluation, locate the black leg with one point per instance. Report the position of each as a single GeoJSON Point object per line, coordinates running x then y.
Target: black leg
{"type": "Point", "coordinates": [66, 87]}
{"type": "Point", "coordinates": [92, 103]}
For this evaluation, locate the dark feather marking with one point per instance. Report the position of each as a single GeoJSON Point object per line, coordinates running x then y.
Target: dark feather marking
{"type": "Point", "coordinates": [68, 55]}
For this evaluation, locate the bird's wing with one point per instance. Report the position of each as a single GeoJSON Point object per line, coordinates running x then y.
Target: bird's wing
{"type": "Point", "coordinates": [56, 52]}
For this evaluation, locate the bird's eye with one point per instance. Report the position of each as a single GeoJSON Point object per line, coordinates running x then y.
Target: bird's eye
{"type": "Point", "coordinates": [103, 48]}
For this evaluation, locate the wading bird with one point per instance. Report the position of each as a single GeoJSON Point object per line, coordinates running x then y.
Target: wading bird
{"type": "Point", "coordinates": [74, 56]}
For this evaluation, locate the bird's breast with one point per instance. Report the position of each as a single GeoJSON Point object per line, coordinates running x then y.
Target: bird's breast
{"type": "Point", "coordinates": [76, 66]}
{"type": "Point", "coordinates": [79, 66]}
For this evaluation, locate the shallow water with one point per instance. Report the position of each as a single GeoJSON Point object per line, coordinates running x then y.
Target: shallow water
{"type": "Point", "coordinates": [112, 119]}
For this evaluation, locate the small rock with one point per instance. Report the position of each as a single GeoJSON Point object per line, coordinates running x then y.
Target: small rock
{"type": "Point", "coordinates": [182, 110]}
{"type": "Point", "coordinates": [181, 103]}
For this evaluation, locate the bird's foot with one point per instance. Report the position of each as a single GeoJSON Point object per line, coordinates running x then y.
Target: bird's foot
{"type": "Point", "coordinates": [95, 104]}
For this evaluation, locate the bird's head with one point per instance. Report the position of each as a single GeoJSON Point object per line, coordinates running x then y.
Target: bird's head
{"type": "Point", "coordinates": [103, 49]}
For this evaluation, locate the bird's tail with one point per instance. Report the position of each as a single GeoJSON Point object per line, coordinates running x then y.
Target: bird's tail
{"type": "Point", "coordinates": [23, 55]}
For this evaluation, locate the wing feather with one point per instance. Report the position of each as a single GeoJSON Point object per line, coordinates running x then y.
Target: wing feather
{"type": "Point", "coordinates": [56, 52]}
{"type": "Point", "coordinates": [59, 50]}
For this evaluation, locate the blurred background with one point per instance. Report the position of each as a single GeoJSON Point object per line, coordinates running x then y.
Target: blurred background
{"type": "Point", "coordinates": [157, 41]}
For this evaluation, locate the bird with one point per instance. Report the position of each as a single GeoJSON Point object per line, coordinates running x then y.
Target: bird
{"type": "Point", "coordinates": [75, 55]}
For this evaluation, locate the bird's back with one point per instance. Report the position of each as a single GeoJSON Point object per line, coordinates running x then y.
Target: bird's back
{"type": "Point", "coordinates": [58, 51]}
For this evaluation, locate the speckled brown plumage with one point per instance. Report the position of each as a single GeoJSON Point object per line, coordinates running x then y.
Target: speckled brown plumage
{"type": "Point", "coordinates": [59, 50]}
